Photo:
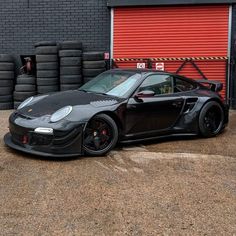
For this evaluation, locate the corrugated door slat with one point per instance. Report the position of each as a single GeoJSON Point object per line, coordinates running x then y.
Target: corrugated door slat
{"type": "Point", "coordinates": [171, 31]}
{"type": "Point", "coordinates": [174, 31]}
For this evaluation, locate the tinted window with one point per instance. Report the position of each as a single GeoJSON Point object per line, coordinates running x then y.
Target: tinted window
{"type": "Point", "coordinates": [160, 84]}
{"type": "Point", "coordinates": [182, 85]}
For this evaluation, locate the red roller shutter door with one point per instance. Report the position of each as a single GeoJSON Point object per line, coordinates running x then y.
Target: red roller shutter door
{"type": "Point", "coordinates": [174, 31]}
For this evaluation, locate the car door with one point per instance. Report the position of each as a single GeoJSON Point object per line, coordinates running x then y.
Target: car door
{"type": "Point", "coordinates": [154, 107]}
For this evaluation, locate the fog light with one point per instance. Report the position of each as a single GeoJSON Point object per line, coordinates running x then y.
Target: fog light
{"type": "Point", "coordinates": [42, 130]}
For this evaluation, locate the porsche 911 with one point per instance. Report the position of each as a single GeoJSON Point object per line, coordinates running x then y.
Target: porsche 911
{"type": "Point", "coordinates": [118, 106]}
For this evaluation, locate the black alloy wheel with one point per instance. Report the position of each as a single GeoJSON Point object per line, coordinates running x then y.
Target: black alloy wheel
{"type": "Point", "coordinates": [100, 136]}
{"type": "Point", "coordinates": [211, 119]}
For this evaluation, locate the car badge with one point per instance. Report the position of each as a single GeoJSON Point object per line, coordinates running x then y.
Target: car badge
{"type": "Point", "coordinates": [30, 110]}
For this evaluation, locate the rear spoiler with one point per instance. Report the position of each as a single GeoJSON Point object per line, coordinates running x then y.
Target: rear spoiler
{"type": "Point", "coordinates": [214, 86]}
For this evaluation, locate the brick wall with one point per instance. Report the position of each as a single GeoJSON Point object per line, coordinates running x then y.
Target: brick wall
{"type": "Point", "coordinates": [24, 22]}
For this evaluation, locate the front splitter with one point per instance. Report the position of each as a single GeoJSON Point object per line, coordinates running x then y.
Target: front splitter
{"type": "Point", "coordinates": [9, 143]}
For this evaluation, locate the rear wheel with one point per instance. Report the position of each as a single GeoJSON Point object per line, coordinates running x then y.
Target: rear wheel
{"type": "Point", "coordinates": [100, 136]}
{"type": "Point", "coordinates": [211, 119]}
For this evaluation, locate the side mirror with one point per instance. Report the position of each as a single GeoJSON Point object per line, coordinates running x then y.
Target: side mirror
{"type": "Point", "coordinates": [145, 94]}
{"type": "Point", "coordinates": [218, 87]}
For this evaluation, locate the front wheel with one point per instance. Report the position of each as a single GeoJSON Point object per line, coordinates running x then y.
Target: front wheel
{"type": "Point", "coordinates": [211, 119]}
{"type": "Point", "coordinates": [100, 136]}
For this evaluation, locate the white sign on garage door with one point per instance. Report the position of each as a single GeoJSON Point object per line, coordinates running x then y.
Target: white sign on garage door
{"type": "Point", "coordinates": [160, 66]}
{"type": "Point", "coordinates": [141, 65]}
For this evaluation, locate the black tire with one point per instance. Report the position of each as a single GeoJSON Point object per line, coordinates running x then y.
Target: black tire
{"type": "Point", "coordinates": [70, 70]}
{"type": "Point", "coordinates": [92, 72]}
{"type": "Point", "coordinates": [71, 79]}
{"type": "Point", "coordinates": [94, 64]}
{"type": "Point", "coordinates": [87, 79]}
{"type": "Point", "coordinates": [70, 61]}
{"type": "Point", "coordinates": [21, 96]}
{"type": "Point", "coordinates": [47, 66]}
{"type": "Point", "coordinates": [65, 87]}
{"type": "Point", "coordinates": [46, 58]}
{"type": "Point", "coordinates": [6, 98]}
{"type": "Point", "coordinates": [6, 90]}
{"type": "Point", "coordinates": [93, 56]}
{"type": "Point", "coordinates": [6, 66]}
{"type": "Point", "coordinates": [47, 73]}
{"type": "Point", "coordinates": [48, 89]}
{"type": "Point", "coordinates": [45, 43]}
{"type": "Point", "coordinates": [47, 81]}
{"type": "Point", "coordinates": [25, 88]}
{"type": "Point", "coordinates": [91, 133]}
{"type": "Point", "coordinates": [46, 50]}
{"type": "Point", "coordinates": [211, 119]}
{"type": "Point", "coordinates": [6, 106]}
{"type": "Point", "coordinates": [6, 83]}
{"type": "Point", "coordinates": [25, 79]}
{"type": "Point", "coordinates": [7, 75]}
{"type": "Point", "coordinates": [16, 104]}
{"type": "Point", "coordinates": [6, 58]}
{"type": "Point", "coordinates": [73, 44]}
{"type": "Point", "coordinates": [70, 53]}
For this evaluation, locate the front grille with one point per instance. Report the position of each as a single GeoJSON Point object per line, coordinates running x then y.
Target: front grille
{"type": "Point", "coordinates": [17, 133]}
{"type": "Point", "coordinates": [17, 138]}
{"type": "Point", "coordinates": [38, 139]}
{"type": "Point", "coordinates": [63, 140]}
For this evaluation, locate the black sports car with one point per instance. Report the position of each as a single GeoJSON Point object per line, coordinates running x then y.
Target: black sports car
{"type": "Point", "coordinates": [117, 106]}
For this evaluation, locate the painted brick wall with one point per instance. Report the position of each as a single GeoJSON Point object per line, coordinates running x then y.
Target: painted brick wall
{"type": "Point", "coordinates": [24, 22]}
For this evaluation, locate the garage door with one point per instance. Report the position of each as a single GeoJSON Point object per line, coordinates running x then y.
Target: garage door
{"type": "Point", "coordinates": [172, 33]}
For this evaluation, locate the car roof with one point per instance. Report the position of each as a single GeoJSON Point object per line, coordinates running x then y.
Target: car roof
{"type": "Point", "coordinates": [146, 72]}
{"type": "Point", "coordinates": [142, 71]}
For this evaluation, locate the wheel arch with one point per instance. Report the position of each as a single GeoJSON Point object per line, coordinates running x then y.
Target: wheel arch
{"type": "Point", "coordinates": [221, 105]}
{"type": "Point", "coordinates": [215, 99]}
{"type": "Point", "coordinates": [114, 117]}
{"type": "Point", "coordinates": [115, 120]}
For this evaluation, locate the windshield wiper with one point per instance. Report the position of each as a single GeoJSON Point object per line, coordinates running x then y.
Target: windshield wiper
{"type": "Point", "coordinates": [107, 95]}
{"type": "Point", "coordinates": [101, 93]}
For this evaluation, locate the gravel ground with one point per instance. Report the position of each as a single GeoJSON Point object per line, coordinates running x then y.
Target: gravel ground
{"type": "Point", "coordinates": [171, 187]}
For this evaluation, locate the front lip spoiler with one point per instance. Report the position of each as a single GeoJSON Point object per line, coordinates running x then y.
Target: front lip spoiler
{"type": "Point", "coordinates": [9, 143]}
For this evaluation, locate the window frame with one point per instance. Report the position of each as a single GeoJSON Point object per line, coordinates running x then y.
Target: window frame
{"type": "Point", "coordinates": [193, 83]}
{"type": "Point", "coordinates": [158, 95]}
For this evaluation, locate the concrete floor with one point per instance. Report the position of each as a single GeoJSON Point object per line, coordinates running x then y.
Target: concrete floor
{"type": "Point", "coordinates": [167, 187]}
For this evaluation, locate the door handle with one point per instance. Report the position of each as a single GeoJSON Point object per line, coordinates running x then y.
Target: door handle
{"type": "Point", "coordinates": [177, 104]}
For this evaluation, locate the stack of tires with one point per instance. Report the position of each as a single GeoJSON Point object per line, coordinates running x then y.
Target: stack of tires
{"type": "Point", "coordinates": [47, 67]}
{"type": "Point", "coordinates": [25, 87]}
{"type": "Point", "coordinates": [7, 75]}
{"type": "Point", "coordinates": [93, 65]}
{"type": "Point", "coordinates": [70, 65]}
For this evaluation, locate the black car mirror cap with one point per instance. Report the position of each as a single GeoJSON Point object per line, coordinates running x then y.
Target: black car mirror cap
{"type": "Point", "coordinates": [144, 94]}
{"type": "Point", "coordinates": [218, 87]}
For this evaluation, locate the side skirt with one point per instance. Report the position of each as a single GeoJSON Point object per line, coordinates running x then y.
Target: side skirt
{"type": "Point", "coordinates": [157, 138]}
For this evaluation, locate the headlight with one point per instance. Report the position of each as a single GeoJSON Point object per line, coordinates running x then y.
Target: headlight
{"type": "Point", "coordinates": [61, 113]}
{"type": "Point", "coordinates": [30, 101]}
{"type": "Point", "coordinates": [25, 103]}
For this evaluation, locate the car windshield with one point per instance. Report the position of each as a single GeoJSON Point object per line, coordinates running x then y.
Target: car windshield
{"type": "Point", "coordinates": [115, 83]}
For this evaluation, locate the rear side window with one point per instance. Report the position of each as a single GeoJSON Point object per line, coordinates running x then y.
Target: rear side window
{"type": "Point", "coordinates": [183, 86]}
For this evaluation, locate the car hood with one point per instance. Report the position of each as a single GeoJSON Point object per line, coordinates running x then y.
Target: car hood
{"type": "Point", "coordinates": [53, 102]}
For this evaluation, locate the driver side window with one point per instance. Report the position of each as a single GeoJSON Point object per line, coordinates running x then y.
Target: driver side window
{"type": "Point", "coordinates": [159, 84]}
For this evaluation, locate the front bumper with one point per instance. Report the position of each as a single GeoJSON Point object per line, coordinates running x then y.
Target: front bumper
{"type": "Point", "coordinates": [8, 141]}
{"type": "Point", "coordinates": [62, 143]}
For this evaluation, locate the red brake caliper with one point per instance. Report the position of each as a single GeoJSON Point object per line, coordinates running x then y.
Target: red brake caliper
{"type": "Point", "coordinates": [104, 132]}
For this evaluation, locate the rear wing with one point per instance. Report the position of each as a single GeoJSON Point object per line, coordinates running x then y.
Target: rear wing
{"type": "Point", "coordinates": [214, 86]}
